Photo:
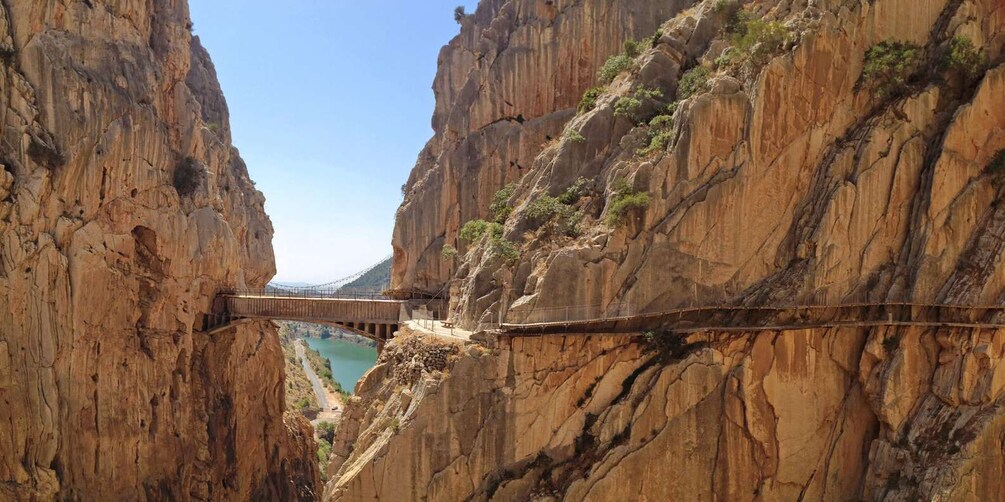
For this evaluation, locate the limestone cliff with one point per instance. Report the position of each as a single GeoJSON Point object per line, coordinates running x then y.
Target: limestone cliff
{"type": "Point", "coordinates": [753, 153]}
{"type": "Point", "coordinates": [781, 172]}
{"type": "Point", "coordinates": [505, 86]}
{"type": "Point", "coordinates": [123, 209]}
{"type": "Point", "coordinates": [825, 414]}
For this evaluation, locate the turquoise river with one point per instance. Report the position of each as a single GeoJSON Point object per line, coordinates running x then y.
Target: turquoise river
{"type": "Point", "coordinates": [349, 361]}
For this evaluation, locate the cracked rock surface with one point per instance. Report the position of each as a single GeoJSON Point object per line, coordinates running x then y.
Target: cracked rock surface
{"type": "Point", "coordinates": [123, 209]}
{"type": "Point", "coordinates": [789, 180]}
{"type": "Point", "coordinates": [816, 414]}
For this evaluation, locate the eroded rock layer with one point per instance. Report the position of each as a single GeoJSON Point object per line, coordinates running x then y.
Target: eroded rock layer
{"type": "Point", "coordinates": [780, 172]}
{"type": "Point", "coordinates": [123, 210]}
{"type": "Point", "coordinates": [817, 414]}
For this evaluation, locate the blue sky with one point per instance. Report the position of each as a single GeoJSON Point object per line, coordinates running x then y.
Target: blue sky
{"type": "Point", "coordinates": [330, 102]}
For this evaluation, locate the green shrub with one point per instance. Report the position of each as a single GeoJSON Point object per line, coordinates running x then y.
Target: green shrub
{"type": "Point", "coordinates": [589, 100]}
{"type": "Point", "coordinates": [324, 450]}
{"type": "Point", "coordinates": [655, 40]}
{"type": "Point", "coordinates": [459, 14]}
{"type": "Point", "coordinates": [504, 248]}
{"type": "Point", "coordinates": [572, 194]}
{"type": "Point", "coordinates": [303, 403]}
{"type": "Point", "coordinates": [188, 177]}
{"type": "Point", "coordinates": [632, 48]}
{"type": "Point", "coordinates": [326, 431]}
{"type": "Point", "coordinates": [756, 41]}
{"type": "Point", "coordinates": [623, 200]}
{"type": "Point", "coordinates": [629, 106]}
{"type": "Point", "coordinates": [573, 135]}
{"type": "Point", "coordinates": [540, 210]}
{"type": "Point", "coordinates": [693, 82]}
{"type": "Point", "coordinates": [727, 58]}
{"type": "Point", "coordinates": [730, 15]}
{"type": "Point", "coordinates": [964, 57]}
{"type": "Point", "coordinates": [614, 66]}
{"type": "Point", "coordinates": [473, 230]}
{"type": "Point", "coordinates": [660, 134]}
{"type": "Point", "coordinates": [659, 139]}
{"type": "Point", "coordinates": [500, 207]}
{"type": "Point", "coordinates": [888, 67]}
{"type": "Point", "coordinates": [549, 210]}
{"type": "Point", "coordinates": [626, 106]}
{"type": "Point", "coordinates": [449, 252]}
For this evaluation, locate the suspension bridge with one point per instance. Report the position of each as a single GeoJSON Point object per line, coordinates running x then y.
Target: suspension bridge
{"type": "Point", "coordinates": [372, 311]}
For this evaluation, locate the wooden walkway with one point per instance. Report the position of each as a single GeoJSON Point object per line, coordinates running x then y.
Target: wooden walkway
{"type": "Point", "coordinates": [747, 318]}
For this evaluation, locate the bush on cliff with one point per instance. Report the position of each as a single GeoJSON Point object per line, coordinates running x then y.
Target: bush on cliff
{"type": "Point", "coordinates": [188, 177]}
{"type": "Point", "coordinates": [694, 81]}
{"type": "Point", "coordinates": [614, 66]}
{"type": "Point", "coordinates": [589, 99]}
{"type": "Point", "coordinates": [888, 67]}
{"type": "Point", "coordinates": [623, 200]}
{"type": "Point", "coordinates": [500, 203]}
{"type": "Point", "coordinates": [964, 57]}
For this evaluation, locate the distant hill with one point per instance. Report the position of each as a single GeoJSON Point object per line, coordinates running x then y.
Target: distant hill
{"type": "Point", "coordinates": [377, 279]}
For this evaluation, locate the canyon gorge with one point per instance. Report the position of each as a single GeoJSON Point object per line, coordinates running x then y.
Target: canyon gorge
{"type": "Point", "coordinates": [613, 157]}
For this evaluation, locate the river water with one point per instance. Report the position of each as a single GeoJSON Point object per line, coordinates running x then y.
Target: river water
{"type": "Point", "coordinates": [349, 361]}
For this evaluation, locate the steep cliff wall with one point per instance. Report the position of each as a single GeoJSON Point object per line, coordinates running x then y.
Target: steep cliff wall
{"type": "Point", "coordinates": [760, 152]}
{"type": "Point", "coordinates": [826, 414]}
{"type": "Point", "coordinates": [505, 87]}
{"type": "Point", "coordinates": [782, 172]}
{"type": "Point", "coordinates": [123, 209]}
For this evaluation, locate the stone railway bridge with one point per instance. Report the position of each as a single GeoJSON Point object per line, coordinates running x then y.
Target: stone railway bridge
{"type": "Point", "coordinates": [372, 315]}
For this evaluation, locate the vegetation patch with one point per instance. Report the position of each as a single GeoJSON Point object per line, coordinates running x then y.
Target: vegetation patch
{"type": "Point", "coordinates": [323, 368]}
{"type": "Point", "coordinates": [324, 451]}
{"type": "Point", "coordinates": [614, 66]}
{"type": "Point", "coordinates": [660, 133]}
{"type": "Point", "coordinates": [549, 210]}
{"type": "Point", "coordinates": [475, 229]}
{"type": "Point", "coordinates": [964, 57]}
{"type": "Point", "coordinates": [188, 177]}
{"type": "Point", "coordinates": [589, 99]}
{"type": "Point", "coordinates": [579, 188]}
{"type": "Point", "coordinates": [573, 135]}
{"type": "Point", "coordinates": [888, 67]}
{"type": "Point", "coordinates": [632, 48]}
{"type": "Point", "coordinates": [500, 203]}
{"type": "Point", "coordinates": [460, 14]}
{"type": "Point", "coordinates": [449, 252]}
{"type": "Point", "coordinates": [655, 40]}
{"type": "Point", "coordinates": [630, 106]}
{"type": "Point", "coordinates": [693, 82]}
{"type": "Point", "coordinates": [623, 200]}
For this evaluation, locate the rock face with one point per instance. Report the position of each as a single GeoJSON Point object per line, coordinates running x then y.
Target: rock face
{"type": "Point", "coordinates": [780, 175]}
{"type": "Point", "coordinates": [123, 209]}
{"type": "Point", "coordinates": [763, 157]}
{"type": "Point", "coordinates": [824, 414]}
{"type": "Point", "coordinates": [505, 86]}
